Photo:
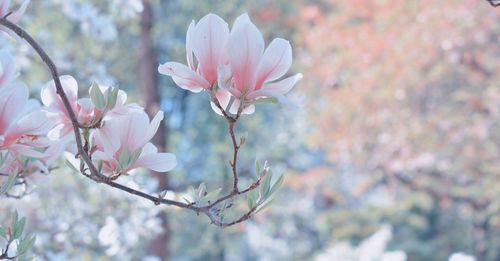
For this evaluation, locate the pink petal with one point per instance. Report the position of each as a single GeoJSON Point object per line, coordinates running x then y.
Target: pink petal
{"type": "Point", "coordinates": [105, 139]}
{"type": "Point", "coordinates": [275, 62]}
{"type": "Point", "coordinates": [250, 109]}
{"type": "Point", "coordinates": [208, 42]}
{"type": "Point", "coordinates": [153, 126]}
{"type": "Point", "coordinates": [15, 16]}
{"type": "Point", "coordinates": [34, 123]}
{"type": "Point", "coordinates": [245, 47]}
{"type": "Point", "coordinates": [223, 96]}
{"type": "Point", "coordinates": [4, 5]}
{"type": "Point", "coordinates": [7, 67]}
{"type": "Point", "coordinates": [12, 101]}
{"type": "Point", "coordinates": [51, 98]}
{"type": "Point", "coordinates": [160, 162]}
{"type": "Point", "coordinates": [276, 89]}
{"type": "Point", "coordinates": [26, 151]}
{"type": "Point", "coordinates": [184, 77]}
{"type": "Point", "coordinates": [132, 130]}
{"type": "Point", "coordinates": [189, 45]}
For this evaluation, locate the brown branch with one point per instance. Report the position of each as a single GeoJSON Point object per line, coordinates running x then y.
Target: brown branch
{"type": "Point", "coordinates": [95, 175]}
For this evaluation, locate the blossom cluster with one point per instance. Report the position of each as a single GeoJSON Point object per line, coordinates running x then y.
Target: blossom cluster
{"type": "Point", "coordinates": [233, 66]}
{"type": "Point", "coordinates": [32, 135]}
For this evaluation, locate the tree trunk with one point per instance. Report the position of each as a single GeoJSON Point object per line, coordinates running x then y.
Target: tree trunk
{"type": "Point", "coordinates": [150, 96]}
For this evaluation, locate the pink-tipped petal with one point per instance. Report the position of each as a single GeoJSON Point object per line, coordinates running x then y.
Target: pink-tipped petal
{"type": "Point", "coordinates": [11, 102]}
{"type": "Point", "coordinates": [184, 77]}
{"type": "Point", "coordinates": [285, 85]}
{"type": "Point", "coordinates": [132, 133]}
{"type": "Point", "coordinates": [190, 38]}
{"type": "Point", "coordinates": [16, 16]}
{"type": "Point", "coordinates": [223, 96]}
{"type": "Point", "coordinates": [245, 47]}
{"type": "Point", "coordinates": [276, 89]}
{"type": "Point", "coordinates": [160, 162]}
{"type": "Point", "coordinates": [50, 97]}
{"type": "Point", "coordinates": [153, 126]}
{"type": "Point", "coordinates": [34, 123]}
{"type": "Point", "coordinates": [249, 109]}
{"type": "Point", "coordinates": [105, 139]}
{"type": "Point", "coordinates": [275, 62]}
{"type": "Point", "coordinates": [7, 68]}
{"type": "Point", "coordinates": [209, 45]}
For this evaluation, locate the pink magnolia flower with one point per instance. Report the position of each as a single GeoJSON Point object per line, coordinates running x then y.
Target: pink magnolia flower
{"type": "Point", "coordinates": [8, 70]}
{"type": "Point", "coordinates": [123, 144]}
{"type": "Point", "coordinates": [255, 71]}
{"type": "Point", "coordinates": [207, 41]}
{"type": "Point", "coordinates": [23, 125]}
{"type": "Point", "coordinates": [30, 166]}
{"type": "Point", "coordinates": [85, 111]}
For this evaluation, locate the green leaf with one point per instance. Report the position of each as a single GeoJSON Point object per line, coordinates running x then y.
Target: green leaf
{"type": "Point", "coordinates": [14, 218]}
{"type": "Point", "coordinates": [25, 245]}
{"type": "Point", "coordinates": [2, 159]}
{"type": "Point", "coordinates": [135, 155]}
{"type": "Point", "coordinates": [202, 189]}
{"type": "Point", "coordinates": [262, 206]}
{"type": "Point", "coordinates": [97, 97]}
{"type": "Point", "coordinates": [266, 185]}
{"type": "Point", "coordinates": [111, 97]}
{"type": "Point", "coordinates": [18, 228]}
{"type": "Point", "coordinates": [252, 198]}
{"type": "Point", "coordinates": [99, 165]}
{"type": "Point", "coordinates": [70, 165]}
{"type": "Point", "coordinates": [124, 158]}
{"type": "Point", "coordinates": [266, 100]}
{"type": "Point", "coordinates": [3, 233]}
{"type": "Point", "coordinates": [10, 182]}
{"type": "Point", "coordinates": [257, 168]}
{"type": "Point", "coordinates": [212, 195]}
{"type": "Point", "coordinates": [276, 185]}
{"type": "Point", "coordinates": [25, 258]}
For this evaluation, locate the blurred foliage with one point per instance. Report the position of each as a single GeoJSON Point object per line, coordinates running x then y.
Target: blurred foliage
{"type": "Point", "coordinates": [397, 124]}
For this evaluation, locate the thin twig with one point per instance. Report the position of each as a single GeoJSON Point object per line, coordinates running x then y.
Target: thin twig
{"type": "Point", "coordinates": [95, 175]}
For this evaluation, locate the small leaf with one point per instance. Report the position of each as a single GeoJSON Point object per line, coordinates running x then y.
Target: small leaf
{"type": "Point", "coordinates": [25, 245]}
{"type": "Point", "coordinates": [265, 100]}
{"type": "Point", "coordinates": [97, 97]}
{"type": "Point", "coordinates": [257, 168]}
{"type": "Point", "coordinates": [252, 198]}
{"type": "Point", "coordinates": [124, 158]}
{"type": "Point", "coordinates": [99, 165]}
{"type": "Point", "coordinates": [202, 189]}
{"type": "Point", "coordinates": [266, 185]}
{"type": "Point", "coordinates": [111, 97]}
{"type": "Point", "coordinates": [135, 155]}
{"type": "Point", "coordinates": [14, 218]}
{"type": "Point", "coordinates": [10, 182]}
{"type": "Point", "coordinates": [3, 233]}
{"type": "Point", "coordinates": [163, 194]}
{"type": "Point", "coordinates": [70, 165]}
{"type": "Point", "coordinates": [276, 185]}
{"type": "Point", "coordinates": [212, 195]}
{"type": "Point", "coordinates": [18, 228]}
{"type": "Point", "coordinates": [262, 206]}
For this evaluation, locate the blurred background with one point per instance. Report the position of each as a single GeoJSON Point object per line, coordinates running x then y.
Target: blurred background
{"type": "Point", "coordinates": [392, 153]}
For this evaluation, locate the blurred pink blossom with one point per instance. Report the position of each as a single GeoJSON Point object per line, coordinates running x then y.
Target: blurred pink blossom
{"type": "Point", "coordinates": [85, 111]}
{"type": "Point", "coordinates": [123, 144]}
{"type": "Point", "coordinates": [206, 40]}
